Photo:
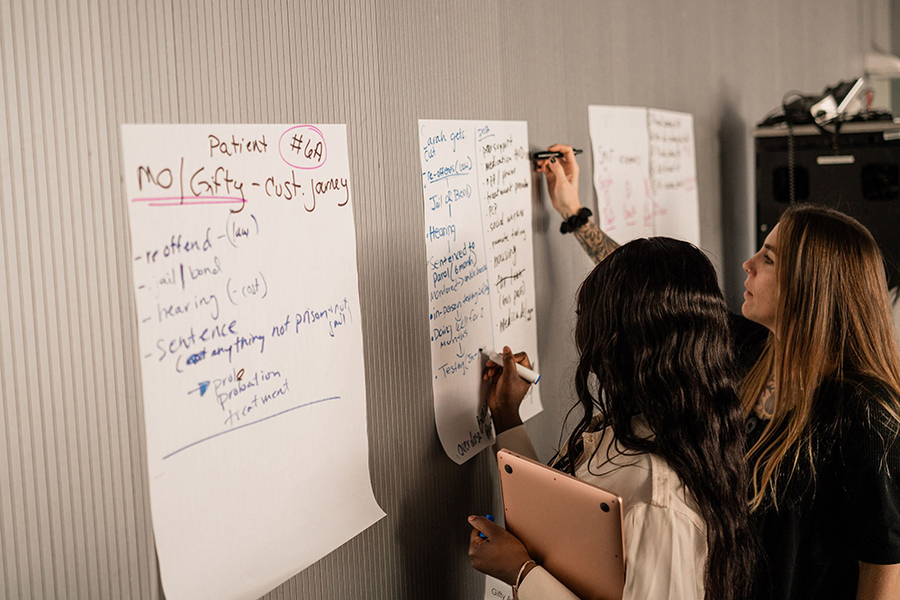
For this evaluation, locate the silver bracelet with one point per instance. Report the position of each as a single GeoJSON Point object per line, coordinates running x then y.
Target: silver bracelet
{"type": "Point", "coordinates": [519, 576]}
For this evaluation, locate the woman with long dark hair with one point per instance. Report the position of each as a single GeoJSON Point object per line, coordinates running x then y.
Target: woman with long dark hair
{"type": "Point", "coordinates": [821, 393]}
{"type": "Point", "coordinates": [660, 425]}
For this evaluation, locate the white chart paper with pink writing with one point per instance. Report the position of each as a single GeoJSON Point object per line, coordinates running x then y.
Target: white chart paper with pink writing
{"type": "Point", "coordinates": [645, 173]}
{"type": "Point", "coordinates": [243, 253]}
{"type": "Point", "coordinates": [476, 182]}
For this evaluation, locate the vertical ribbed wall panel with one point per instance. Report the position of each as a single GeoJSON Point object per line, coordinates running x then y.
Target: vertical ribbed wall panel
{"type": "Point", "coordinates": [74, 505]}
{"type": "Point", "coordinates": [8, 515]}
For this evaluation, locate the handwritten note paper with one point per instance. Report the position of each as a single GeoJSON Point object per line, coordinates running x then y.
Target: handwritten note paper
{"type": "Point", "coordinates": [673, 175]}
{"type": "Point", "coordinates": [622, 171]}
{"type": "Point", "coordinates": [644, 173]}
{"type": "Point", "coordinates": [494, 589]}
{"type": "Point", "coordinates": [243, 254]}
{"type": "Point", "coordinates": [476, 184]}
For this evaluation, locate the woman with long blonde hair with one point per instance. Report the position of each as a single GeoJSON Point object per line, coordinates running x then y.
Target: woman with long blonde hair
{"type": "Point", "coordinates": [822, 404]}
{"type": "Point", "coordinates": [822, 398]}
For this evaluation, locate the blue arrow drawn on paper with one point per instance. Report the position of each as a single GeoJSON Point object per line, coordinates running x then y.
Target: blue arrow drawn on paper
{"type": "Point", "coordinates": [204, 385]}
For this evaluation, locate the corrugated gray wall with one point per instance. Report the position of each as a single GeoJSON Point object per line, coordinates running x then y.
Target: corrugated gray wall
{"type": "Point", "coordinates": [74, 514]}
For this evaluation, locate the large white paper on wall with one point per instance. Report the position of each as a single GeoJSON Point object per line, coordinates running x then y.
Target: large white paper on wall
{"type": "Point", "coordinates": [476, 181]}
{"type": "Point", "coordinates": [644, 173]}
{"type": "Point", "coordinates": [494, 589]}
{"type": "Point", "coordinates": [243, 253]}
{"type": "Point", "coordinates": [673, 175]}
{"type": "Point", "coordinates": [622, 171]}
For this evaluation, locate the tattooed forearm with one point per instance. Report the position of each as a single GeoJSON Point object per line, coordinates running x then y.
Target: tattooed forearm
{"type": "Point", "coordinates": [597, 244]}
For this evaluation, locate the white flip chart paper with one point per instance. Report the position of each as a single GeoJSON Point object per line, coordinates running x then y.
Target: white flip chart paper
{"type": "Point", "coordinates": [476, 182]}
{"type": "Point", "coordinates": [243, 255]}
{"type": "Point", "coordinates": [622, 171]}
{"type": "Point", "coordinates": [494, 589]}
{"type": "Point", "coordinates": [673, 175]}
{"type": "Point", "coordinates": [644, 173]}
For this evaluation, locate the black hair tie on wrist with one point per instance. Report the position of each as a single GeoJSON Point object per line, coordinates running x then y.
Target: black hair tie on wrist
{"type": "Point", "coordinates": [575, 221]}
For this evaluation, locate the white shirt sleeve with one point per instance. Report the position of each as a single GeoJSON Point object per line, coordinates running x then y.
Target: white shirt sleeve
{"type": "Point", "coordinates": [663, 552]}
{"type": "Point", "coordinates": [663, 549]}
{"type": "Point", "coordinates": [541, 585]}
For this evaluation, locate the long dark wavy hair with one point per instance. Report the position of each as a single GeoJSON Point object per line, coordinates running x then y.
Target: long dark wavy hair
{"type": "Point", "coordinates": [654, 339]}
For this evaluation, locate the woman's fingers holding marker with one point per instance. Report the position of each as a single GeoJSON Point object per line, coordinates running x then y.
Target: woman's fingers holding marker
{"type": "Point", "coordinates": [485, 526]}
{"type": "Point", "coordinates": [518, 357]}
{"type": "Point", "coordinates": [570, 165]}
{"type": "Point", "coordinates": [509, 365]}
{"type": "Point", "coordinates": [567, 151]}
{"type": "Point", "coordinates": [506, 393]}
{"type": "Point", "coordinates": [522, 359]}
{"type": "Point", "coordinates": [562, 184]}
{"type": "Point", "coordinates": [557, 168]}
{"type": "Point", "coordinates": [491, 370]}
{"type": "Point", "coordinates": [500, 554]}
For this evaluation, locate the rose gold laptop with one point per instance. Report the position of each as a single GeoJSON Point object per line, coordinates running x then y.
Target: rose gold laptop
{"type": "Point", "coordinates": [571, 528]}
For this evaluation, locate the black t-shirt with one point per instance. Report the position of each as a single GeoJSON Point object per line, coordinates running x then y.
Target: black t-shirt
{"type": "Point", "coordinates": [849, 512]}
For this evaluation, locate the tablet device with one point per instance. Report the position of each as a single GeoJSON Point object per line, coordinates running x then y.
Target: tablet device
{"type": "Point", "coordinates": [570, 527]}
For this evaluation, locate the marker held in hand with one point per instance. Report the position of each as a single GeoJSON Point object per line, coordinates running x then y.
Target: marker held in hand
{"type": "Point", "coordinates": [524, 372]}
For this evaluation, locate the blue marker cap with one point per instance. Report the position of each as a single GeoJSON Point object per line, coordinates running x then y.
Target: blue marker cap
{"type": "Point", "coordinates": [489, 518]}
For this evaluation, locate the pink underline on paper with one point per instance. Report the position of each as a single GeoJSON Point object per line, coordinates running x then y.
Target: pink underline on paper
{"type": "Point", "coordinates": [176, 200]}
{"type": "Point", "coordinates": [188, 203]}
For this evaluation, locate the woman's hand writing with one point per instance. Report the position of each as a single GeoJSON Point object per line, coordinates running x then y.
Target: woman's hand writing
{"type": "Point", "coordinates": [562, 180]}
{"type": "Point", "coordinates": [507, 389]}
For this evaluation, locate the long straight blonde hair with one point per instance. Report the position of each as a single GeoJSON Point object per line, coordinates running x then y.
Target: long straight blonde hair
{"type": "Point", "coordinates": [832, 317]}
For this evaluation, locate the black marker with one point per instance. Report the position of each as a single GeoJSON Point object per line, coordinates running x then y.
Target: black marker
{"type": "Point", "coordinates": [548, 154]}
